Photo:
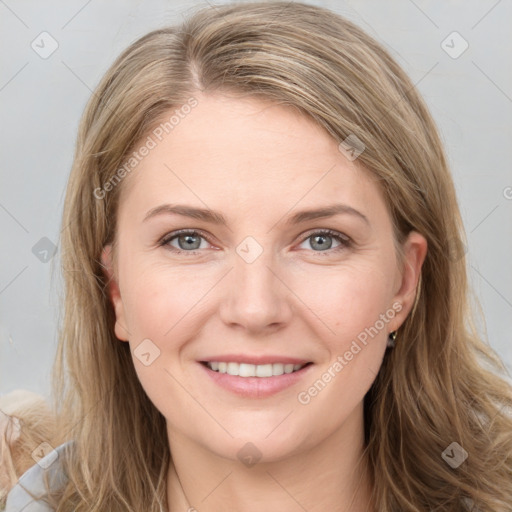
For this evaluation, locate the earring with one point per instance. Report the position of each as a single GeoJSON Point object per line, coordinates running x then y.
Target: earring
{"type": "Point", "coordinates": [391, 339]}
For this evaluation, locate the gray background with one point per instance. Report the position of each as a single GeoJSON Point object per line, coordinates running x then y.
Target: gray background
{"type": "Point", "coordinates": [41, 101]}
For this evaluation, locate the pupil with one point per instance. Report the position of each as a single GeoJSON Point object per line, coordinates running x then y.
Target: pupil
{"type": "Point", "coordinates": [189, 240]}
{"type": "Point", "coordinates": [322, 244]}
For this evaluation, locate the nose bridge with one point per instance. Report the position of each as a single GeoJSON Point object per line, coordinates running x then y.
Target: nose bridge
{"type": "Point", "coordinates": [256, 298]}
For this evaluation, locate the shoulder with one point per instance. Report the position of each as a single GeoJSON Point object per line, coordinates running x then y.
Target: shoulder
{"type": "Point", "coordinates": [33, 481]}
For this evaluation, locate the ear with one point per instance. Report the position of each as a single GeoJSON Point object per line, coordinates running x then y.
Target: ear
{"type": "Point", "coordinates": [114, 293]}
{"type": "Point", "coordinates": [414, 250]}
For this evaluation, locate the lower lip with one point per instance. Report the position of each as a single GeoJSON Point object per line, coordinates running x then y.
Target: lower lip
{"type": "Point", "coordinates": [256, 387]}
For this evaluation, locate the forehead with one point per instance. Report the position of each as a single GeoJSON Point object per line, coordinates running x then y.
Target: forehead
{"type": "Point", "coordinates": [246, 150]}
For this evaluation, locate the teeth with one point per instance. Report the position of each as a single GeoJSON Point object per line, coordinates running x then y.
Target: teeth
{"type": "Point", "coordinates": [246, 370]}
{"type": "Point", "coordinates": [264, 370]}
{"type": "Point", "coordinates": [233, 368]}
{"type": "Point", "coordinates": [253, 370]}
{"type": "Point", "coordinates": [278, 369]}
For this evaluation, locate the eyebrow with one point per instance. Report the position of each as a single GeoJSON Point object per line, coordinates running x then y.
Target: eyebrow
{"type": "Point", "coordinates": [213, 217]}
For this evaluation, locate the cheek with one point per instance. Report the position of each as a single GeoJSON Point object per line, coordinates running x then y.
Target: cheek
{"type": "Point", "coordinates": [356, 307]}
{"type": "Point", "coordinates": [349, 299]}
{"type": "Point", "coordinates": [164, 310]}
{"type": "Point", "coordinates": [158, 300]}
{"type": "Point", "coordinates": [160, 314]}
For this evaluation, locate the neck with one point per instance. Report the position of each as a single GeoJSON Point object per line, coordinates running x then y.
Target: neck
{"type": "Point", "coordinates": [330, 476]}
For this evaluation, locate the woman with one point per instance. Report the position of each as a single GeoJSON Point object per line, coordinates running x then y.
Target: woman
{"type": "Point", "coordinates": [266, 296]}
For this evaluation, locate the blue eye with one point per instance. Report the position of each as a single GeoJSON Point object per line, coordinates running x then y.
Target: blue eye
{"type": "Point", "coordinates": [189, 240]}
{"type": "Point", "coordinates": [320, 239]}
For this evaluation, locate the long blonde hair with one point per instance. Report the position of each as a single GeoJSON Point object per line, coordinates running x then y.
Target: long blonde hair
{"type": "Point", "coordinates": [440, 384]}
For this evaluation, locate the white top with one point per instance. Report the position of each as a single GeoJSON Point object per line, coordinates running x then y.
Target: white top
{"type": "Point", "coordinates": [19, 500]}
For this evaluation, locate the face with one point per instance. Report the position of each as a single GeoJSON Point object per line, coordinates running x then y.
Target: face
{"type": "Point", "coordinates": [260, 286]}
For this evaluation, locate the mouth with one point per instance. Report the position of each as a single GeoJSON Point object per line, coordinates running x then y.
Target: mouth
{"type": "Point", "coordinates": [256, 378]}
{"type": "Point", "coordinates": [253, 370]}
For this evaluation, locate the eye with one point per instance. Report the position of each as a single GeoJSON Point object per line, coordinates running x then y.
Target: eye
{"type": "Point", "coordinates": [186, 240]}
{"type": "Point", "coordinates": [190, 240]}
{"type": "Point", "coordinates": [321, 241]}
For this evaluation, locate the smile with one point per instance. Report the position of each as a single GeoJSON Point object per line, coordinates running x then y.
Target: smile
{"type": "Point", "coordinates": [260, 378]}
{"type": "Point", "coordinates": [253, 370]}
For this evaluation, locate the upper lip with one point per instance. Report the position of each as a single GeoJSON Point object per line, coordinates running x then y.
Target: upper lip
{"type": "Point", "coordinates": [254, 359]}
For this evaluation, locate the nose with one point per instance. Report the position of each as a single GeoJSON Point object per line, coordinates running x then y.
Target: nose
{"type": "Point", "coordinates": [256, 297]}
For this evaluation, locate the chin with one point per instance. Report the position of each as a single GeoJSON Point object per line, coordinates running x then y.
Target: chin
{"type": "Point", "coordinates": [262, 442]}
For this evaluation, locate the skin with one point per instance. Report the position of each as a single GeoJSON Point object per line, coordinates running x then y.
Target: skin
{"type": "Point", "coordinates": [258, 163]}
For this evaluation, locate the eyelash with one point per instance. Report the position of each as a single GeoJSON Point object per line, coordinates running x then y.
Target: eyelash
{"type": "Point", "coordinates": [344, 240]}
